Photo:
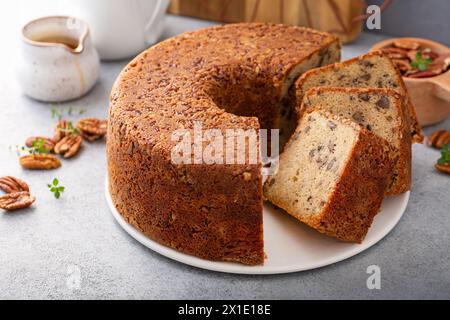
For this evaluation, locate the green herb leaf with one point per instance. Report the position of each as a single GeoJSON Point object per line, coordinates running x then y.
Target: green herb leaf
{"type": "Point", "coordinates": [38, 147]}
{"type": "Point", "coordinates": [55, 188]}
{"type": "Point", "coordinates": [445, 155]}
{"type": "Point", "coordinates": [56, 113]}
{"type": "Point", "coordinates": [70, 129]}
{"type": "Point", "coordinates": [59, 112]}
{"type": "Point", "coordinates": [18, 149]}
{"type": "Point", "coordinates": [420, 63]}
{"type": "Point", "coordinates": [53, 111]}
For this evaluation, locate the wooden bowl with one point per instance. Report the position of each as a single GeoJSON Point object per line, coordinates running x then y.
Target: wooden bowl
{"type": "Point", "coordinates": [430, 96]}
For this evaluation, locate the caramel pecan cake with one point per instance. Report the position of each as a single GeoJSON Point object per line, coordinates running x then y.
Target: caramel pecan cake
{"type": "Point", "coordinates": [227, 77]}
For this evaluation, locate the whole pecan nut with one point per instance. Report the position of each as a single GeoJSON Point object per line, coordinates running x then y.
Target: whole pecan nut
{"type": "Point", "coordinates": [92, 129]}
{"type": "Point", "coordinates": [439, 138]}
{"type": "Point", "coordinates": [396, 53]}
{"type": "Point", "coordinates": [16, 200]}
{"type": "Point", "coordinates": [49, 144]}
{"type": "Point", "coordinates": [402, 64]}
{"type": "Point", "coordinates": [445, 168]}
{"type": "Point", "coordinates": [39, 162]}
{"type": "Point", "coordinates": [11, 184]}
{"type": "Point", "coordinates": [63, 129]}
{"type": "Point", "coordinates": [430, 72]}
{"type": "Point", "coordinates": [412, 54]}
{"type": "Point", "coordinates": [406, 45]}
{"type": "Point", "coordinates": [69, 146]}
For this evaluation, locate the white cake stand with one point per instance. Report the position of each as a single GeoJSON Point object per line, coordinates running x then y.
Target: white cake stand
{"type": "Point", "coordinates": [290, 245]}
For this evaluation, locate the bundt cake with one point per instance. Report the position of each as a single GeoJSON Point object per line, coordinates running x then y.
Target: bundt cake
{"type": "Point", "coordinates": [336, 171]}
{"type": "Point", "coordinates": [225, 78]}
{"type": "Point", "coordinates": [372, 70]}
{"type": "Point", "coordinates": [378, 110]}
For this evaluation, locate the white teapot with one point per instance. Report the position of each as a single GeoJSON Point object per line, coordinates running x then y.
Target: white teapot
{"type": "Point", "coordinates": [122, 28]}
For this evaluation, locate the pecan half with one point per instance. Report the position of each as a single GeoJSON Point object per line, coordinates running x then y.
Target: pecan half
{"type": "Point", "coordinates": [402, 64]}
{"type": "Point", "coordinates": [16, 200]}
{"type": "Point", "coordinates": [63, 129]}
{"type": "Point", "coordinates": [11, 184]}
{"type": "Point", "coordinates": [69, 146]}
{"type": "Point", "coordinates": [430, 72]}
{"type": "Point", "coordinates": [443, 168]}
{"type": "Point", "coordinates": [412, 54]}
{"type": "Point", "coordinates": [49, 144]}
{"type": "Point", "coordinates": [40, 162]}
{"type": "Point", "coordinates": [396, 53]}
{"type": "Point", "coordinates": [442, 62]}
{"type": "Point", "coordinates": [407, 45]}
{"type": "Point", "coordinates": [439, 139]}
{"type": "Point", "coordinates": [92, 129]}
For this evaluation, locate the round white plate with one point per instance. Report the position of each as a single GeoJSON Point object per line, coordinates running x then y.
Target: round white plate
{"type": "Point", "coordinates": [290, 245]}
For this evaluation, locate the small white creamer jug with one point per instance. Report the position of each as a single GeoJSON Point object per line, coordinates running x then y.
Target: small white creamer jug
{"type": "Point", "coordinates": [57, 61]}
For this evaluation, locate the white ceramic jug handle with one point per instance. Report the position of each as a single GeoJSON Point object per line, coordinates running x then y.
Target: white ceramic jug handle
{"type": "Point", "coordinates": [160, 6]}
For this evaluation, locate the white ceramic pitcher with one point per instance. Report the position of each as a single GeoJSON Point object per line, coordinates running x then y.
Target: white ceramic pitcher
{"type": "Point", "coordinates": [57, 61]}
{"type": "Point", "coordinates": [123, 28]}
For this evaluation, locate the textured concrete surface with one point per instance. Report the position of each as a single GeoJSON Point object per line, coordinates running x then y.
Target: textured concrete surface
{"type": "Point", "coordinates": [46, 249]}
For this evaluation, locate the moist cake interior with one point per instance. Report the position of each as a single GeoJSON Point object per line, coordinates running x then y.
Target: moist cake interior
{"type": "Point", "coordinates": [312, 164]}
{"type": "Point", "coordinates": [372, 110]}
{"type": "Point", "coordinates": [368, 73]}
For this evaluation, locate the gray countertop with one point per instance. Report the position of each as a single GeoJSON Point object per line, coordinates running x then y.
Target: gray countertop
{"type": "Point", "coordinates": [46, 248]}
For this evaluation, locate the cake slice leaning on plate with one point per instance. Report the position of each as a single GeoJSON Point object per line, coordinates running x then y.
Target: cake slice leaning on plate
{"type": "Point", "coordinates": [377, 110]}
{"type": "Point", "coordinates": [332, 176]}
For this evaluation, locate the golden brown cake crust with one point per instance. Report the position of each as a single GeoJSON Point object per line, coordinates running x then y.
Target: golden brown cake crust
{"type": "Point", "coordinates": [416, 130]}
{"type": "Point", "coordinates": [402, 180]}
{"type": "Point", "coordinates": [224, 77]}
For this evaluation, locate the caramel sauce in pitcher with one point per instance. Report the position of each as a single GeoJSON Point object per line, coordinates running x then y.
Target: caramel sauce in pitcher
{"type": "Point", "coordinates": [70, 42]}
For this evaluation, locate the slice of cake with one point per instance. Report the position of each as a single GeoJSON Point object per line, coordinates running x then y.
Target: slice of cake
{"type": "Point", "coordinates": [373, 70]}
{"type": "Point", "coordinates": [332, 176]}
{"type": "Point", "coordinates": [377, 110]}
